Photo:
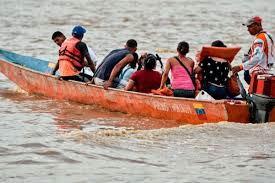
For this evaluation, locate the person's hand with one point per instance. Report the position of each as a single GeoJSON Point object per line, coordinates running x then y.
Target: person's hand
{"type": "Point", "coordinates": [144, 54]}
{"type": "Point", "coordinates": [236, 69]}
{"type": "Point", "coordinates": [85, 62]}
{"type": "Point", "coordinates": [107, 84]}
{"type": "Point", "coordinates": [198, 56]}
{"type": "Point", "coordinates": [141, 60]}
{"type": "Point", "coordinates": [88, 82]}
{"type": "Point", "coordinates": [245, 58]}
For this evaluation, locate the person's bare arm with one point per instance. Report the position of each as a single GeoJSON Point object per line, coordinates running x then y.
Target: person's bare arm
{"type": "Point", "coordinates": [192, 64]}
{"type": "Point", "coordinates": [56, 67]}
{"type": "Point", "coordinates": [165, 74]}
{"type": "Point", "coordinates": [130, 85]}
{"type": "Point", "coordinates": [126, 60]}
{"type": "Point", "coordinates": [197, 70]}
{"type": "Point", "coordinates": [90, 62]}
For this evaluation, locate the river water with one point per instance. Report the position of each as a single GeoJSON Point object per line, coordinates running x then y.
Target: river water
{"type": "Point", "coordinates": [43, 140]}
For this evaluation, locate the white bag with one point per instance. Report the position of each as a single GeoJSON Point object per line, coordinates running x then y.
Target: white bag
{"type": "Point", "coordinates": [203, 95]}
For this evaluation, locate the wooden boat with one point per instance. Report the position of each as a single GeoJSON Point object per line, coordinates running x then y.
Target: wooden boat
{"type": "Point", "coordinates": [32, 75]}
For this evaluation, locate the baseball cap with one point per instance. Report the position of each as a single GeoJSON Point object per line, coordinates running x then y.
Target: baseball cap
{"type": "Point", "coordinates": [78, 31]}
{"type": "Point", "coordinates": [251, 20]}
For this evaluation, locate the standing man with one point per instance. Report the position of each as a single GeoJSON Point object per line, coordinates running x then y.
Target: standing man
{"type": "Point", "coordinates": [261, 54]}
{"type": "Point", "coordinates": [71, 55]}
{"type": "Point", "coordinates": [108, 71]}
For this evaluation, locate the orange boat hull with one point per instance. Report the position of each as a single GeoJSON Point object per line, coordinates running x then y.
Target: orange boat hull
{"type": "Point", "coordinates": [185, 111]}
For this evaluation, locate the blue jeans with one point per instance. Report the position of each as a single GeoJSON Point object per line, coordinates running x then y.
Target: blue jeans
{"type": "Point", "coordinates": [215, 91]}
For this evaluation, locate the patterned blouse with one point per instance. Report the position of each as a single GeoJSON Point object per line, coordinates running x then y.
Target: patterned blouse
{"type": "Point", "coordinates": [214, 72]}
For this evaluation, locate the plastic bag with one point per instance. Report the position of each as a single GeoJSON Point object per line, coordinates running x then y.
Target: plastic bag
{"type": "Point", "coordinates": [233, 89]}
{"type": "Point", "coordinates": [203, 95]}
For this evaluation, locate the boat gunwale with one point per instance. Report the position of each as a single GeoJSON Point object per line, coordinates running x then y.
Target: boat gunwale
{"type": "Point", "coordinates": [119, 90]}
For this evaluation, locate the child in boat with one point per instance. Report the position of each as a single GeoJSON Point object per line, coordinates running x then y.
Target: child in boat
{"type": "Point", "coordinates": [181, 68]}
{"type": "Point", "coordinates": [214, 74]}
{"type": "Point", "coordinates": [147, 79]}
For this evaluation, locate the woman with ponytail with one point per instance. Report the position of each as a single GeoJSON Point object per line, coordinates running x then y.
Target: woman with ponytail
{"type": "Point", "coordinates": [182, 70]}
{"type": "Point", "coordinates": [147, 79]}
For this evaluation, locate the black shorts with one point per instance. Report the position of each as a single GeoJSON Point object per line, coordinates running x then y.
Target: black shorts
{"type": "Point", "coordinates": [82, 77]}
{"type": "Point", "coordinates": [184, 93]}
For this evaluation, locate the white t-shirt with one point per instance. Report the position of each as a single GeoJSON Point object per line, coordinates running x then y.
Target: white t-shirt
{"type": "Point", "coordinates": [92, 55]}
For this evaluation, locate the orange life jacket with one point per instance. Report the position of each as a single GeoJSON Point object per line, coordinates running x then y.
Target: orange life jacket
{"type": "Point", "coordinates": [227, 53]}
{"type": "Point", "coordinates": [70, 53]}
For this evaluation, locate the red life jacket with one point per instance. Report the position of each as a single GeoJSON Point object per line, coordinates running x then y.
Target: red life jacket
{"type": "Point", "coordinates": [70, 53]}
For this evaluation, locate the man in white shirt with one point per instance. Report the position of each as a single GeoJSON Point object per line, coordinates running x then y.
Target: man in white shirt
{"type": "Point", "coordinates": [261, 54]}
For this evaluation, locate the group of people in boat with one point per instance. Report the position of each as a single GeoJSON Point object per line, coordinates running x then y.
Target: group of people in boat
{"type": "Point", "coordinates": [118, 68]}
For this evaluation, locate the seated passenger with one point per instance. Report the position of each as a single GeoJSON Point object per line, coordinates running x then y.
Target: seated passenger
{"type": "Point", "coordinates": [127, 72]}
{"type": "Point", "coordinates": [108, 71]}
{"type": "Point", "coordinates": [71, 57]}
{"type": "Point", "coordinates": [147, 79]}
{"type": "Point", "coordinates": [58, 37]}
{"type": "Point", "coordinates": [182, 69]}
{"type": "Point", "coordinates": [214, 74]}
{"type": "Point", "coordinates": [142, 57]}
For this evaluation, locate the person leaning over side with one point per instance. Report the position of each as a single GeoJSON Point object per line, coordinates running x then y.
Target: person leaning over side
{"type": "Point", "coordinates": [58, 37]}
{"type": "Point", "coordinates": [214, 74]}
{"type": "Point", "coordinates": [261, 54]}
{"type": "Point", "coordinates": [147, 79]}
{"type": "Point", "coordinates": [181, 83]}
{"type": "Point", "coordinates": [127, 72]}
{"type": "Point", "coordinates": [107, 72]}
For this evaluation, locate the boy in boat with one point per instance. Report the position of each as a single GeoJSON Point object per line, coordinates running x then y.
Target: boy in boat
{"type": "Point", "coordinates": [107, 73]}
{"type": "Point", "coordinates": [58, 37]}
{"type": "Point", "coordinates": [261, 54]}
{"type": "Point", "coordinates": [71, 56]}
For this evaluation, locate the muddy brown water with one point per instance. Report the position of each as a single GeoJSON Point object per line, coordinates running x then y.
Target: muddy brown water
{"type": "Point", "coordinates": [43, 140]}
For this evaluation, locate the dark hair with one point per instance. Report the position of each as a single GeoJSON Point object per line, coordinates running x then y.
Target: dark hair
{"type": "Point", "coordinates": [57, 34]}
{"type": "Point", "coordinates": [131, 43]}
{"type": "Point", "coordinates": [218, 43]}
{"type": "Point", "coordinates": [150, 62]}
{"type": "Point", "coordinates": [183, 48]}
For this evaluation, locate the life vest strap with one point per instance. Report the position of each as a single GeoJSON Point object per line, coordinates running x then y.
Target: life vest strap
{"type": "Point", "coordinates": [69, 54]}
